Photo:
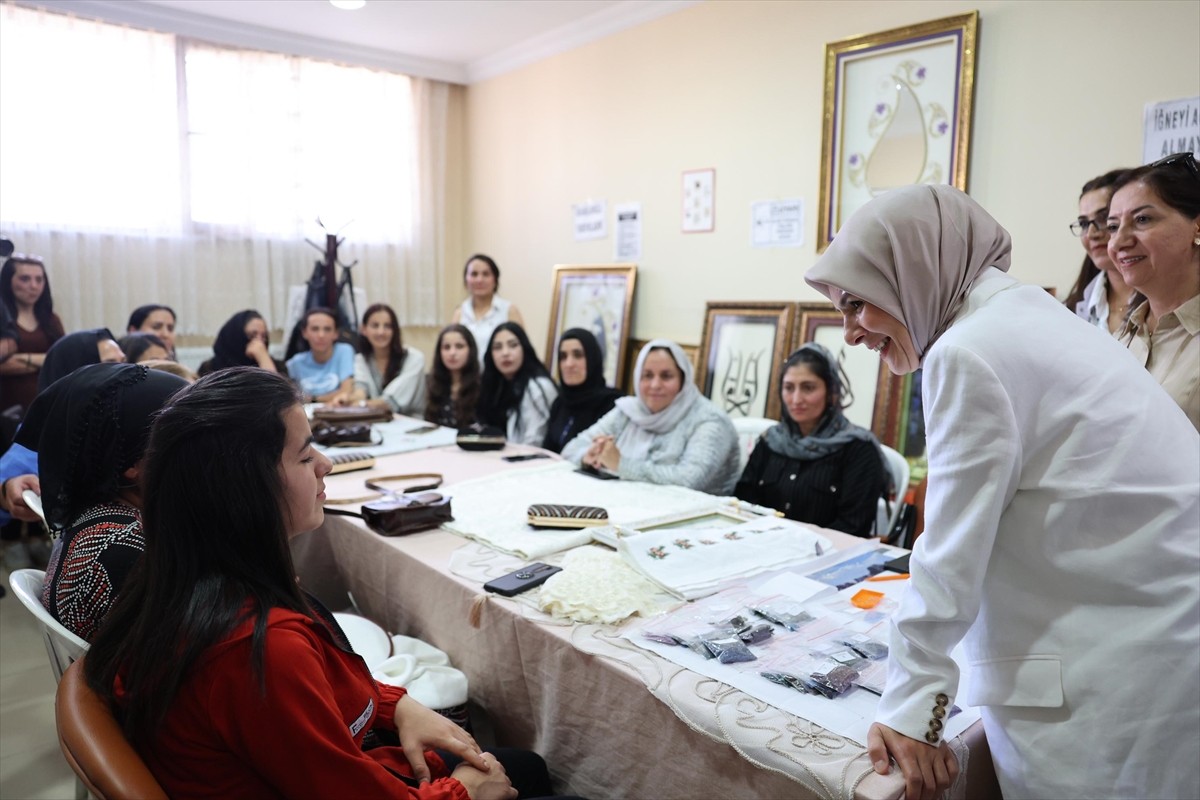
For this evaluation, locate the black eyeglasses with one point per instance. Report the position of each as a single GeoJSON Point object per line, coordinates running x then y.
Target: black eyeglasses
{"type": "Point", "coordinates": [1188, 160]}
{"type": "Point", "coordinates": [1080, 226]}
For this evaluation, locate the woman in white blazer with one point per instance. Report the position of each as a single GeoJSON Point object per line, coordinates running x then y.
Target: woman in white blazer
{"type": "Point", "coordinates": [1062, 541]}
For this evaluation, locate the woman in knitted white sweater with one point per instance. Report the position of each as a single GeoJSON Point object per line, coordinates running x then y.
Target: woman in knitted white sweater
{"type": "Point", "coordinates": [668, 433]}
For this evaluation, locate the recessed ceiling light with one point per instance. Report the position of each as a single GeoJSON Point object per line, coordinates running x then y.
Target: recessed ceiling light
{"type": "Point", "coordinates": [348, 5]}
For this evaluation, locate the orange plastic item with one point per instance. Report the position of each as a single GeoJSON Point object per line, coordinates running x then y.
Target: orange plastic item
{"type": "Point", "coordinates": [865, 598]}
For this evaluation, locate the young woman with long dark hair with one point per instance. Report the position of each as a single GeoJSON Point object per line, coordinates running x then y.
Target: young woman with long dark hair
{"type": "Point", "coordinates": [230, 680]}
{"type": "Point", "coordinates": [454, 379]}
{"type": "Point", "coordinates": [388, 375]}
{"type": "Point", "coordinates": [517, 390]}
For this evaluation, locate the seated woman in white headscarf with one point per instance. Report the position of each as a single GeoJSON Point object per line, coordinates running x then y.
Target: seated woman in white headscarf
{"type": "Point", "coordinates": [667, 433]}
{"type": "Point", "coordinates": [1061, 520]}
{"type": "Point", "coordinates": [816, 466]}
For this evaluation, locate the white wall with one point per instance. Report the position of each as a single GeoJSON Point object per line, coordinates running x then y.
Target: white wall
{"type": "Point", "coordinates": [1059, 93]}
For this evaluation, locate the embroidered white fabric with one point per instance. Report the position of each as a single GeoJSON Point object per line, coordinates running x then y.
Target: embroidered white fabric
{"type": "Point", "coordinates": [493, 509]}
{"type": "Point", "coordinates": [596, 585]}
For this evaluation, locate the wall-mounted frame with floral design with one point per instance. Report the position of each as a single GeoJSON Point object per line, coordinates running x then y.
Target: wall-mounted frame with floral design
{"type": "Point", "coordinates": [598, 298]}
{"type": "Point", "coordinates": [741, 352]}
{"type": "Point", "coordinates": [878, 394]}
{"type": "Point", "coordinates": [897, 112]}
{"type": "Point", "coordinates": [635, 347]}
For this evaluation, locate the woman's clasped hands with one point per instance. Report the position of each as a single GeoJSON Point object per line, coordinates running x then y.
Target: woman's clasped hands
{"type": "Point", "coordinates": [421, 728]}
{"type": "Point", "coordinates": [603, 454]}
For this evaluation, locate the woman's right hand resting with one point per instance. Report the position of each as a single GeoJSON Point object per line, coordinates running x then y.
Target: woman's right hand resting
{"type": "Point", "coordinates": [928, 771]}
{"type": "Point", "coordinates": [480, 785]}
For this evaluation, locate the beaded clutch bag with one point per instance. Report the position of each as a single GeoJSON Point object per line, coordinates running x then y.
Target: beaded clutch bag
{"type": "Point", "coordinates": [553, 515]}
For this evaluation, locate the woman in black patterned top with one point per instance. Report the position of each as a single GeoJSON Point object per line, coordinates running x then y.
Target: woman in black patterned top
{"type": "Point", "coordinates": [816, 466]}
{"type": "Point", "coordinates": [90, 431]}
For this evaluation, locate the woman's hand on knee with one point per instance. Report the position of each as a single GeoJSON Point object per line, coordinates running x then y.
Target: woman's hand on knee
{"type": "Point", "coordinates": [421, 728]}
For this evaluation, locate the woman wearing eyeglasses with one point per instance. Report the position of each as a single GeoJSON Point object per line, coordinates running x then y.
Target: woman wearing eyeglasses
{"type": "Point", "coordinates": [1154, 229]}
{"type": "Point", "coordinates": [1100, 295]}
{"type": "Point", "coordinates": [1061, 521]}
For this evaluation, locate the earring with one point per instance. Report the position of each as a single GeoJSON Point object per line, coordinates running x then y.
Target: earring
{"type": "Point", "coordinates": [1196, 241]}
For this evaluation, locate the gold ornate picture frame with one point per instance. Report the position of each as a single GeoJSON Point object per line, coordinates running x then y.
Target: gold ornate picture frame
{"type": "Point", "coordinates": [879, 396]}
{"type": "Point", "coordinates": [741, 353]}
{"type": "Point", "coordinates": [598, 298]}
{"type": "Point", "coordinates": [897, 112]}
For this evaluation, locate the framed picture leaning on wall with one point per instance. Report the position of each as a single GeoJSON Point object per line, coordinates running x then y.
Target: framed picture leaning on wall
{"type": "Point", "coordinates": [742, 350]}
{"type": "Point", "coordinates": [878, 394]}
{"type": "Point", "coordinates": [598, 298]}
{"type": "Point", "coordinates": [897, 112]}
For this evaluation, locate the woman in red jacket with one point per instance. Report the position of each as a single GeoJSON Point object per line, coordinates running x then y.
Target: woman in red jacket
{"type": "Point", "coordinates": [229, 680]}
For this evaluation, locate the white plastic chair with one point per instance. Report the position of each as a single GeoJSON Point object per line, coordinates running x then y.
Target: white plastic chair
{"type": "Point", "coordinates": [63, 647]}
{"type": "Point", "coordinates": [748, 430]}
{"type": "Point", "coordinates": [898, 466]}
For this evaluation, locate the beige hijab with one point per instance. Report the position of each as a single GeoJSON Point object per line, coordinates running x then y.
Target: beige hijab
{"type": "Point", "coordinates": [914, 252]}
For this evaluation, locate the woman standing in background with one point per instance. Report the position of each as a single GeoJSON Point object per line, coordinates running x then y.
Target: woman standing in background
{"type": "Point", "coordinates": [1154, 227]}
{"type": "Point", "coordinates": [1100, 295]}
{"type": "Point", "coordinates": [25, 292]}
{"type": "Point", "coordinates": [483, 309]}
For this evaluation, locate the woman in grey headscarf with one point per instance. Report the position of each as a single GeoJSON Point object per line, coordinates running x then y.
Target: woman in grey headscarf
{"type": "Point", "coordinates": [816, 466]}
{"type": "Point", "coordinates": [1062, 518]}
{"type": "Point", "coordinates": [667, 433]}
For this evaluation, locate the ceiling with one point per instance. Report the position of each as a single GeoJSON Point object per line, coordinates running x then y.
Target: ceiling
{"type": "Point", "coordinates": [461, 41]}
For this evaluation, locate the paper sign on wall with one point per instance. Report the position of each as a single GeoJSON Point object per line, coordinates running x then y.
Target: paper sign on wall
{"type": "Point", "coordinates": [590, 220]}
{"type": "Point", "coordinates": [1171, 127]}
{"type": "Point", "coordinates": [628, 244]}
{"type": "Point", "coordinates": [777, 223]}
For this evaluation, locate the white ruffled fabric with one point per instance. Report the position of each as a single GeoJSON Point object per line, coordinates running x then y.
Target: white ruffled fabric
{"type": "Point", "coordinates": [597, 586]}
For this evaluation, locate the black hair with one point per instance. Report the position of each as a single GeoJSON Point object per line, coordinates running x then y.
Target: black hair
{"type": "Point", "coordinates": [396, 351]}
{"type": "Point", "coordinates": [441, 382]}
{"type": "Point", "coordinates": [43, 309]}
{"type": "Point", "coordinates": [499, 395]}
{"type": "Point", "coordinates": [297, 343]}
{"type": "Point", "coordinates": [1175, 185]}
{"type": "Point", "coordinates": [823, 364]}
{"type": "Point", "coordinates": [1088, 270]}
{"type": "Point", "coordinates": [491, 265]}
{"type": "Point", "coordinates": [216, 543]}
{"type": "Point", "coordinates": [134, 344]}
{"type": "Point", "coordinates": [138, 317]}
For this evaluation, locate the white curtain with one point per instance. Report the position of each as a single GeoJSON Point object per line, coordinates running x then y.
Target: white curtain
{"type": "Point", "coordinates": [147, 168]}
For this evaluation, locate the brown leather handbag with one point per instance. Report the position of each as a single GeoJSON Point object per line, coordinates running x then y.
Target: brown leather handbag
{"type": "Point", "coordinates": [390, 513]}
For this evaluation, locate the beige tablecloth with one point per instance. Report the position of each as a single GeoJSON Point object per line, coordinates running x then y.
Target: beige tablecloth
{"type": "Point", "coordinates": [611, 719]}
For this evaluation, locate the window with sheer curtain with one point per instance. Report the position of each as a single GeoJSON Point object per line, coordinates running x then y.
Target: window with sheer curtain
{"type": "Point", "coordinates": [145, 167]}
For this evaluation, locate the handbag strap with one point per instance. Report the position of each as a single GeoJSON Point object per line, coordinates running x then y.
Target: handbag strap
{"type": "Point", "coordinates": [374, 483]}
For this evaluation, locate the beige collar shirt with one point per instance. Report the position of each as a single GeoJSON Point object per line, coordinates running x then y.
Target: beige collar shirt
{"type": "Point", "coordinates": [1172, 353]}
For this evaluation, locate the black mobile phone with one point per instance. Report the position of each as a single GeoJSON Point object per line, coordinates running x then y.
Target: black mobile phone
{"type": "Point", "coordinates": [521, 580]}
{"type": "Point", "coordinates": [523, 457]}
{"type": "Point", "coordinates": [602, 474]}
